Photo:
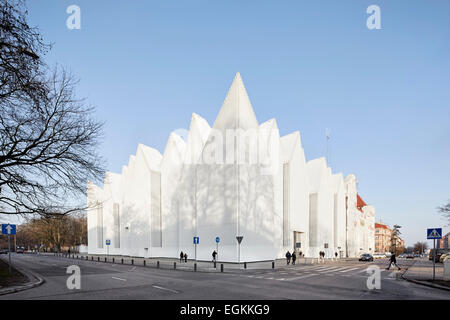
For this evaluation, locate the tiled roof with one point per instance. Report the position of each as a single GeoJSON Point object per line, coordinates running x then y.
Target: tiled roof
{"type": "Point", "coordinates": [360, 203]}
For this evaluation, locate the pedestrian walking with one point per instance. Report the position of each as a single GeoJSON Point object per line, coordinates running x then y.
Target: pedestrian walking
{"type": "Point", "coordinates": [288, 257]}
{"type": "Point", "coordinates": [181, 256]}
{"type": "Point", "coordinates": [392, 260]}
{"type": "Point", "coordinates": [294, 257]}
{"type": "Point", "coordinates": [185, 257]}
{"type": "Point", "coordinates": [335, 255]}
{"type": "Point", "coordinates": [214, 254]}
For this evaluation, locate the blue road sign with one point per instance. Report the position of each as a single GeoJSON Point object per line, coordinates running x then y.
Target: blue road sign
{"type": "Point", "coordinates": [217, 239]}
{"type": "Point", "coordinates": [196, 240]}
{"type": "Point", "coordinates": [434, 233]}
{"type": "Point", "coordinates": [9, 229]}
{"type": "Point", "coordinates": [108, 242]}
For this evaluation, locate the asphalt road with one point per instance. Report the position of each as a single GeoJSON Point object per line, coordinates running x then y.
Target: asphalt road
{"type": "Point", "coordinates": [99, 280]}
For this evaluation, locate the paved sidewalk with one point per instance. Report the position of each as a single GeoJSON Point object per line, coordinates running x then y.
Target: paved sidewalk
{"type": "Point", "coordinates": [421, 272]}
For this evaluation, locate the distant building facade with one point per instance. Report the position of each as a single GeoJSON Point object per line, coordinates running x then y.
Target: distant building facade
{"type": "Point", "coordinates": [385, 241]}
{"type": "Point", "coordinates": [160, 202]}
{"type": "Point", "coordinates": [443, 242]}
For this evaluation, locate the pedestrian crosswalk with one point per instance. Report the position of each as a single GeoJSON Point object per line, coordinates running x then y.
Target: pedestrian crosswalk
{"type": "Point", "coordinates": [309, 272]}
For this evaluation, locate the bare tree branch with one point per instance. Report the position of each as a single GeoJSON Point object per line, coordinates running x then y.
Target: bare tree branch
{"type": "Point", "coordinates": [48, 137]}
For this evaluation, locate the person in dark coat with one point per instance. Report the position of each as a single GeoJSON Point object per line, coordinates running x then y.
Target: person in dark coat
{"type": "Point", "coordinates": [392, 260]}
{"type": "Point", "coordinates": [214, 254]}
{"type": "Point", "coordinates": [294, 257]}
{"type": "Point", "coordinates": [288, 257]}
{"type": "Point", "coordinates": [181, 256]}
{"type": "Point", "coordinates": [185, 257]}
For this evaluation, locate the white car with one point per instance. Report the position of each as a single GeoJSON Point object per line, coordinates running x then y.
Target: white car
{"type": "Point", "coordinates": [379, 255]}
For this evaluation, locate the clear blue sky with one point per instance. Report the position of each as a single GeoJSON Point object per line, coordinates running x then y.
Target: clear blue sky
{"type": "Point", "coordinates": [384, 94]}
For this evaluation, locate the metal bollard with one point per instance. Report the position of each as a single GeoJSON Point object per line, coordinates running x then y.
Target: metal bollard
{"type": "Point", "coordinates": [221, 267]}
{"type": "Point", "coordinates": [195, 267]}
{"type": "Point", "coordinates": [144, 263]}
{"type": "Point", "coordinates": [132, 261]}
{"type": "Point", "coordinates": [106, 259]}
{"type": "Point", "coordinates": [98, 259]}
{"type": "Point", "coordinates": [214, 264]}
{"type": "Point", "coordinates": [245, 265]}
{"type": "Point", "coordinates": [122, 260]}
{"type": "Point", "coordinates": [273, 264]}
{"type": "Point", "coordinates": [92, 259]}
{"type": "Point", "coordinates": [174, 265]}
{"type": "Point", "coordinates": [157, 264]}
{"type": "Point", "coordinates": [113, 260]}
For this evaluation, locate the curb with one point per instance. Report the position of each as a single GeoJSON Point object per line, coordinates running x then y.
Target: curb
{"type": "Point", "coordinates": [34, 281]}
{"type": "Point", "coordinates": [431, 285]}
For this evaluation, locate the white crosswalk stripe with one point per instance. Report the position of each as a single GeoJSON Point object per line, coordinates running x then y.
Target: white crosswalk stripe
{"type": "Point", "coordinates": [347, 270]}
{"type": "Point", "coordinates": [311, 271]}
{"type": "Point", "coordinates": [332, 269]}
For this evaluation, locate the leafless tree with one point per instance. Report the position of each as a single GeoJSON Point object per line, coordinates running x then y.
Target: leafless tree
{"type": "Point", "coordinates": [48, 137]}
{"type": "Point", "coordinates": [420, 247]}
{"type": "Point", "coordinates": [445, 210]}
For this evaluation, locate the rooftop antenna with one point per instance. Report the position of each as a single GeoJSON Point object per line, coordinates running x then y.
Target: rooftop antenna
{"type": "Point", "coordinates": [328, 136]}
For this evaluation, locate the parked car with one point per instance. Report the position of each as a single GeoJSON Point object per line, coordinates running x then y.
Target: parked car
{"type": "Point", "coordinates": [3, 251]}
{"type": "Point", "coordinates": [409, 256]}
{"type": "Point", "coordinates": [19, 250]}
{"type": "Point", "coordinates": [366, 257]}
{"type": "Point", "coordinates": [443, 256]}
{"type": "Point", "coordinates": [439, 252]}
{"type": "Point", "coordinates": [379, 256]}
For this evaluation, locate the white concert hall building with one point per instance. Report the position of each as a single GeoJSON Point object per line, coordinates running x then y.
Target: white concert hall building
{"type": "Point", "coordinates": [236, 178]}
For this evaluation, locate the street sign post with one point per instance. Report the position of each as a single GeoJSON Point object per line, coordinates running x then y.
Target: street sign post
{"type": "Point", "coordinates": [196, 242]}
{"type": "Point", "coordinates": [434, 233]}
{"type": "Point", "coordinates": [217, 248]}
{"type": "Point", "coordinates": [9, 229]}
{"type": "Point", "coordinates": [108, 243]}
{"type": "Point", "coordinates": [239, 240]}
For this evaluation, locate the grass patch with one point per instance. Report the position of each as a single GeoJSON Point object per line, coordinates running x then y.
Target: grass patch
{"type": "Point", "coordinates": [8, 280]}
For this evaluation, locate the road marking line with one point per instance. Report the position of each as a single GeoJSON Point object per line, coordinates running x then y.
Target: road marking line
{"type": "Point", "coordinates": [119, 279]}
{"type": "Point", "coordinates": [166, 289]}
{"type": "Point", "coordinates": [132, 269]}
{"type": "Point", "coordinates": [348, 270]}
{"type": "Point", "coordinates": [305, 276]}
{"type": "Point", "coordinates": [330, 269]}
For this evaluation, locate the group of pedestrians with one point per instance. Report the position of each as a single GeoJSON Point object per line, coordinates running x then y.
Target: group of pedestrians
{"type": "Point", "coordinates": [183, 256]}
{"type": "Point", "coordinates": [290, 256]}
{"type": "Point", "coordinates": [322, 255]}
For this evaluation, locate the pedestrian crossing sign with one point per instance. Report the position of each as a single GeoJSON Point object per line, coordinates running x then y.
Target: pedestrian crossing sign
{"type": "Point", "coordinates": [434, 233]}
